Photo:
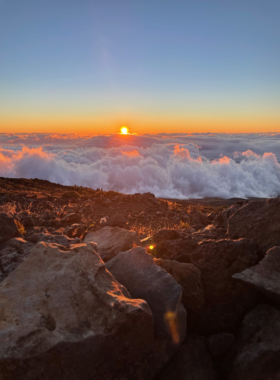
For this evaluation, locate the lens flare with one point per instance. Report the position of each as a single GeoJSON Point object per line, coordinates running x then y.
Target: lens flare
{"type": "Point", "coordinates": [124, 130]}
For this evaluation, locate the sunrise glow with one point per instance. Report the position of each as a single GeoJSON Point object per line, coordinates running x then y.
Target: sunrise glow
{"type": "Point", "coordinates": [124, 130]}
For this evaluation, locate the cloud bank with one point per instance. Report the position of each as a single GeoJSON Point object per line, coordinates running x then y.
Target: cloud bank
{"type": "Point", "coordinates": [175, 166]}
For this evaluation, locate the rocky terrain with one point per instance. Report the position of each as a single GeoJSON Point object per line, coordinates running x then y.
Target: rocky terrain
{"type": "Point", "coordinates": [102, 285]}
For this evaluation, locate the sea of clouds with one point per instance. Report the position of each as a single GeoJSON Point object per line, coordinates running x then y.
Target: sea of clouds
{"type": "Point", "coordinates": [168, 165]}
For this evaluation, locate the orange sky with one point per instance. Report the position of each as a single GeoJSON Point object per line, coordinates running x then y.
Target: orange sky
{"type": "Point", "coordinates": [139, 124]}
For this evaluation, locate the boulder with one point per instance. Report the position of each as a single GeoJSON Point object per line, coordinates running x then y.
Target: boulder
{"type": "Point", "coordinates": [257, 220]}
{"type": "Point", "coordinates": [258, 348]}
{"type": "Point", "coordinates": [189, 277]}
{"type": "Point", "coordinates": [8, 228]}
{"type": "Point", "coordinates": [72, 218]}
{"type": "Point", "coordinates": [64, 316]}
{"type": "Point", "coordinates": [191, 362]}
{"type": "Point", "coordinates": [136, 270]}
{"type": "Point", "coordinates": [12, 253]}
{"type": "Point", "coordinates": [175, 249]}
{"type": "Point", "coordinates": [116, 221]}
{"type": "Point", "coordinates": [165, 234]}
{"type": "Point", "coordinates": [48, 238]}
{"type": "Point", "coordinates": [265, 276]}
{"type": "Point", "coordinates": [219, 344]}
{"type": "Point", "coordinates": [112, 240]}
{"type": "Point", "coordinates": [226, 300]}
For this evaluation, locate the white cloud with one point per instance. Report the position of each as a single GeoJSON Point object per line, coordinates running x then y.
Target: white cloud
{"type": "Point", "coordinates": [168, 166]}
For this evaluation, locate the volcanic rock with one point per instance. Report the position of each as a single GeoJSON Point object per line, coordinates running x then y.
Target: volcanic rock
{"type": "Point", "coordinates": [189, 277]}
{"type": "Point", "coordinates": [226, 300]}
{"type": "Point", "coordinates": [265, 276]}
{"type": "Point", "coordinates": [12, 253]}
{"type": "Point", "coordinates": [136, 270]}
{"type": "Point", "coordinates": [219, 344]}
{"type": "Point", "coordinates": [258, 348]}
{"type": "Point", "coordinates": [8, 228]}
{"type": "Point", "coordinates": [175, 249]}
{"type": "Point", "coordinates": [48, 238]}
{"type": "Point", "coordinates": [73, 195]}
{"type": "Point", "coordinates": [257, 220]}
{"type": "Point", "coordinates": [165, 234]}
{"type": "Point", "coordinates": [62, 312]}
{"type": "Point", "coordinates": [112, 240]}
{"type": "Point", "coordinates": [191, 362]}
{"type": "Point", "coordinates": [72, 218]}
{"type": "Point", "coordinates": [116, 221]}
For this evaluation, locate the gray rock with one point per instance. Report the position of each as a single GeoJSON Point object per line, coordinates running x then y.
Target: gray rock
{"type": "Point", "coordinates": [165, 234]}
{"type": "Point", "coordinates": [226, 300]}
{"type": "Point", "coordinates": [64, 316]}
{"type": "Point", "coordinates": [8, 228]}
{"type": "Point", "coordinates": [136, 270]}
{"type": "Point", "coordinates": [12, 254]}
{"type": "Point", "coordinates": [191, 362]}
{"type": "Point", "coordinates": [257, 220]}
{"type": "Point", "coordinates": [189, 277]}
{"type": "Point", "coordinates": [116, 221]}
{"type": "Point", "coordinates": [112, 240]}
{"type": "Point", "coordinates": [72, 218]}
{"type": "Point", "coordinates": [265, 276]}
{"type": "Point", "coordinates": [258, 348]}
{"type": "Point", "coordinates": [48, 238]}
{"type": "Point", "coordinates": [219, 344]}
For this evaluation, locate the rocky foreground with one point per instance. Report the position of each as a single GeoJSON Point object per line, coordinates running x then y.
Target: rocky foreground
{"type": "Point", "coordinates": [102, 285]}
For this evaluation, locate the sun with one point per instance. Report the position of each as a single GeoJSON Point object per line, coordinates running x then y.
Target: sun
{"type": "Point", "coordinates": [124, 130]}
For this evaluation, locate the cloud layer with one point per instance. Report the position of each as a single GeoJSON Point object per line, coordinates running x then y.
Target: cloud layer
{"type": "Point", "coordinates": [177, 166]}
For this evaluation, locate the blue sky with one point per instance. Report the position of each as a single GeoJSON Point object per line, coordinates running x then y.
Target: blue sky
{"type": "Point", "coordinates": [135, 60]}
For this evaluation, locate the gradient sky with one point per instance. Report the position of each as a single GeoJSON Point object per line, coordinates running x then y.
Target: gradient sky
{"type": "Point", "coordinates": [155, 65]}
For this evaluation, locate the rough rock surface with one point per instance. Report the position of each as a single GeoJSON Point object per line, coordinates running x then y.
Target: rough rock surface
{"type": "Point", "coordinates": [136, 270]}
{"type": "Point", "coordinates": [179, 249]}
{"type": "Point", "coordinates": [219, 344]}
{"type": "Point", "coordinates": [226, 300]}
{"type": "Point", "coordinates": [12, 253]}
{"type": "Point", "coordinates": [257, 220]}
{"type": "Point", "coordinates": [265, 276]}
{"type": "Point", "coordinates": [189, 277]}
{"type": "Point", "coordinates": [116, 221]}
{"type": "Point", "coordinates": [258, 349]}
{"type": "Point", "coordinates": [165, 234]}
{"type": "Point", "coordinates": [48, 238]}
{"type": "Point", "coordinates": [191, 362]}
{"type": "Point", "coordinates": [8, 228]}
{"type": "Point", "coordinates": [72, 218]}
{"type": "Point", "coordinates": [112, 240]}
{"type": "Point", "coordinates": [62, 315]}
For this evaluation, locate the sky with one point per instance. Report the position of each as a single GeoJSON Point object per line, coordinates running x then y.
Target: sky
{"type": "Point", "coordinates": [157, 66]}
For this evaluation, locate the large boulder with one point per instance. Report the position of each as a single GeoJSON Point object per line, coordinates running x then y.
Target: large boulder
{"type": "Point", "coordinates": [177, 249]}
{"type": "Point", "coordinates": [265, 276]}
{"type": "Point", "coordinates": [48, 238]}
{"type": "Point", "coordinates": [165, 234]}
{"type": "Point", "coordinates": [64, 316]}
{"type": "Point", "coordinates": [226, 300]}
{"type": "Point", "coordinates": [8, 228]}
{"type": "Point", "coordinates": [72, 217]}
{"type": "Point", "coordinates": [257, 220]}
{"type": "Point", "coordinates": [191, 362]}
{"type": "Point", "coordinates": [258, 348]}
{"type": "Point", "coordinates": [112, 240]}
{"type": "Point", "coordinates": [189, 277]}
{"type": "Point", "coordinates": [136, 270]}
{"type": "Point", "coordinates": [116, 220]}
{"type": "Point", "coordinates": [12, 253]}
